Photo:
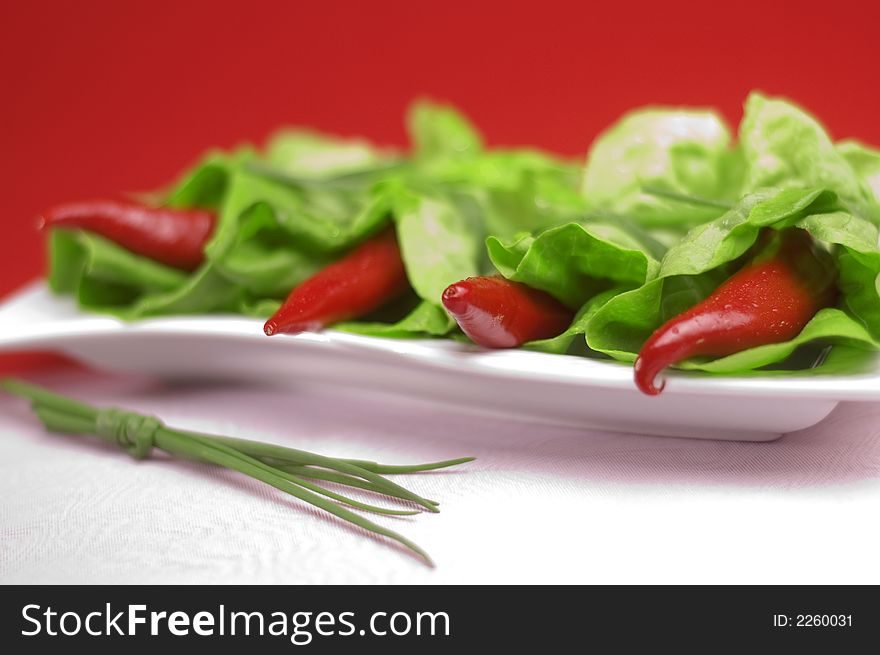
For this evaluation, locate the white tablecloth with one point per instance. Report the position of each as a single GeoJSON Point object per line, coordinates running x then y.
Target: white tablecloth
{"type": "Point", "coordinates": [541, 504]}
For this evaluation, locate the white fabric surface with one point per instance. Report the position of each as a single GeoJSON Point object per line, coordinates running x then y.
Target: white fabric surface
{"type": "Point", "coordinates": [541, 504]}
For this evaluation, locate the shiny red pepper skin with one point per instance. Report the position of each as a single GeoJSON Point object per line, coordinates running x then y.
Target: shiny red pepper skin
{"type": "Point", "coordinates": [175, 237]}
{"type": "Point", "coordinates": [360, 282]}
{"type": "Point", "coordinates": [497, 313]}
{"type": "Point", "coordinates": [767, 301]}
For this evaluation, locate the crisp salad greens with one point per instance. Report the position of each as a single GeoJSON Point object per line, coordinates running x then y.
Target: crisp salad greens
{"type": "Point", "coordinates": [668, 204]}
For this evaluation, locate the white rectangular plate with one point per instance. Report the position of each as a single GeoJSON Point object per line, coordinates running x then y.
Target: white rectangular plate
{"type": "Point", "coordinates": [533, 386]}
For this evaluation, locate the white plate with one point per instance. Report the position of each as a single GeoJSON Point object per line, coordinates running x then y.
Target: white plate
{"type": "Point", "coordinates": [534, 386]}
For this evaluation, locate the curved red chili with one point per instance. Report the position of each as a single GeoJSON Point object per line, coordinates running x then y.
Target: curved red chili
{"type": "Point", "coordinates": [768, 301]}
{"type": "Point", "coordinates": [497, 313]}
{"type": "Point", "coordinates": [175, 237]}
{"type": "Point", "coordinates": [360, 282]}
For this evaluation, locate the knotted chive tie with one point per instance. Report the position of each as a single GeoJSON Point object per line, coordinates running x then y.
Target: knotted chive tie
{"type": "Point", "coordinates": [136, 433]}
{"type": "Point", "coordinates": [295, 472]}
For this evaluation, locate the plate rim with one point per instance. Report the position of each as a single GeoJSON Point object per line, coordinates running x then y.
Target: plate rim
{"type": "Point", "coordinates": [443, 353]}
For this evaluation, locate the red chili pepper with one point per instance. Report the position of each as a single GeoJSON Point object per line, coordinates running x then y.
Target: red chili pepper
{"type": "Point", "coordinates": [360, 282]}
{"type": "Point", "coordinates": [768, 301]}
{"type": "Point", "coordinates": [498, 313]}
{"type": "Point", "coordinates": [175, 237]}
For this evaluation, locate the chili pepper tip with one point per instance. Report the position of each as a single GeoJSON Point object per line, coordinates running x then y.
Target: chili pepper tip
{"type": "Point", "coordinates": [273, 327]}
{"type": "Point", "coordinates": [645, 378]}
{"type": "Point", "coordinates": [455, 298]}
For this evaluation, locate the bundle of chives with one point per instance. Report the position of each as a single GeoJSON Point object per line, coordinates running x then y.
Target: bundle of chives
{"type": "Point", "coordinates": [290, 470]}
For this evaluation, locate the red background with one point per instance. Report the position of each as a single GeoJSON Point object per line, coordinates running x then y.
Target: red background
{"type": "Point", "coordinates": [105, 96]}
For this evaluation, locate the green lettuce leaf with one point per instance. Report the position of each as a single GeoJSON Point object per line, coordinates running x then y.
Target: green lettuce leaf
{"type": "Point", "coordinates": [264, 259]}
{"type": "Point", "coordinates": [271, 237]}
{"type": "Point", "coordinates": [784, 146]}
{"type": "Point", "coordinates": [575, 261]}
{"type": "Point", "coordinates": [506, 190]}
{"type": "Point", "coordinates": [102, 275]}
{"type": "Point", "coordinates": [866, 163]}
{"type": "Point", "coordinates": [107, 278]}
{"type": "Point", "coordinates": [828, 326]}
{"type": "Point", "coordinates": [563, 343]}
{"type": "Point", "coordinates": [517, 191]}
{"type": "Point", "coordinates": [204, 292]}
{"type": "Point", "coordinates": [427, 319]}
{"type": "Point", "coordinates": [680, 151]}
{"type": "Point", "coordinates": [438, 243]}
{"type": "Point", "coordinates": [709, 254]}
{"type": "Point", "coordinates": [608, 240]}
{"type": "Point", "coordinates": [309, 154]}
{"type": "Point", "coordinates": [205, 184]}
{"type": "Point", "coordinates": [316, 220]}
{"type": "Point", "coordinates": [439, 131]}
{"type": "Point", "coordinates": [584, 265]}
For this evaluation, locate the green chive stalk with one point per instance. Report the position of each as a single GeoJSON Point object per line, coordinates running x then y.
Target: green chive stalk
{"type": "Point", "coordinates": [295, 472]}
